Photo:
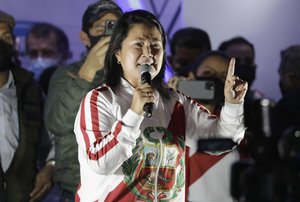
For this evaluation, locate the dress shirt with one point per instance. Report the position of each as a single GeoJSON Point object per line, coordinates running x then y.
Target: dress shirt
{"type": "Point", "coordinates": [9, 125]}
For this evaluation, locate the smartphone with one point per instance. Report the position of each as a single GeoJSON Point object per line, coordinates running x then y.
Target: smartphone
{"type": "Point", "coordinates": [109, 27]}
{"type": "Point", "coordinates": [198, 89]}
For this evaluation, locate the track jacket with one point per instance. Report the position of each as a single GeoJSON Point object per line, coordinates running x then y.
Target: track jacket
{"type": "Point", "coordinates": [126, 157]}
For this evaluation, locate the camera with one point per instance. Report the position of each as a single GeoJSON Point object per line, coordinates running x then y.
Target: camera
{"type": "Point", "coordinates": [109, 27]}
{"type": "Point", "coordinates": [267, 178]}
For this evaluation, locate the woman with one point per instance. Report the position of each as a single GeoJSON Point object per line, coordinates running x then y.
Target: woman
{"type": "Point", "coordinates": [209, 175]}
{"type": "Point", "coordinates": [125, 156]}
{"type": "Point", "coordinates": [212, 66]}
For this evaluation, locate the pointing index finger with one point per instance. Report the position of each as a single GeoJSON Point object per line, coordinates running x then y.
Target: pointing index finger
{"type": "Point", "coordinates": [231, 68]}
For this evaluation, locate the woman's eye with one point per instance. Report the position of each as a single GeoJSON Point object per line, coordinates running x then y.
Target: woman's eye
{"type": "Point", "coordinates": [156, 46]}
{"type": "Point", "coordinates": [139, 44]}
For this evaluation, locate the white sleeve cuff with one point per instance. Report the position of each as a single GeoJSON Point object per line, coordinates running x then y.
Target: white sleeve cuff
{"type": "Point", "coordinates": [132, 120]}
{"type": "Point", "coordinates": [234, 110]}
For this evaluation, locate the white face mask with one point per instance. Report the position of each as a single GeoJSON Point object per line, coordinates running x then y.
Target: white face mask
{"type": "Point", "coordinates": [37, 66]}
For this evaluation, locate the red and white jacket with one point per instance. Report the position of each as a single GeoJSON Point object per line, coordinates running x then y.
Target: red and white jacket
{"type": "Point", "coordinates": [126, 157]}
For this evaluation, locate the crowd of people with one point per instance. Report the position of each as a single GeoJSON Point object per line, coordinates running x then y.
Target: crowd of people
{"type": "Point", "coordinates": [78, 132]}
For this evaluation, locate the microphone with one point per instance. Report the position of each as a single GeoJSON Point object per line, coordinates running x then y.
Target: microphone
{"type": "Point", "coordinates": [146, 78]}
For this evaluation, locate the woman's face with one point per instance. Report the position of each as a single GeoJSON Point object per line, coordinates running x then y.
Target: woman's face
{"type": "Point", "coordinates": [143, 45]}
{"type": "Point", "coordinates": [213, 66]}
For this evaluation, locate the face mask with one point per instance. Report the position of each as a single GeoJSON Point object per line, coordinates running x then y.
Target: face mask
{"type": "Point", "coordinates": [282, 89]}
{"type": "Point", "coordinates": [94, 40]}
{"type": "Point", "coordinates": [246, 72]}
{"type": "Point", "coordinates": [38, 65]}
{"type": "Point", "coordinates": [6, 52]}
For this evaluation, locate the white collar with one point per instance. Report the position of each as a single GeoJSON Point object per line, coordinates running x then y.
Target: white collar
{"type": "Point", "coordinates": [10, 82]}
{"type": "Point", "coordinates": [127, 86]}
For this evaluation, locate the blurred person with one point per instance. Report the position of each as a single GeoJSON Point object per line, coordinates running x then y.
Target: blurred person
{"type": "Point", "coordinates": [244, 53]}
{"type": "Point", "coordinates": [257, 122]}
{"type": "Point", "coordinates": [257, 146]}
{"type": "Point", "coordinates": [209, 175]}
{"type": "Point", "coordinates": [127, 155]}
{"type": "Point", "coordinates": [69, 84]}
{"type": "Point", "coordinates": [186, 44]}
{"type": "Point", "coordinates": [47, 47]}
{"type": "Point", "coordinates": [25, 146]}
{"type": "Point", "coordinates": [286, 113]}
{"type": "Point", "coordinates": [212, 65]}
{"type": "Point", "coordinates": [273, 175]}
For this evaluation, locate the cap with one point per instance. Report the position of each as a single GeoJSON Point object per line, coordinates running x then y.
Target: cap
{"type": "Point", "coordinates": [8, 19]}
{"type": "Point", "coordinates": [98, 9]}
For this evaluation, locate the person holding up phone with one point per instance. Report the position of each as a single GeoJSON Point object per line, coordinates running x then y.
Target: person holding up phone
{"type": "Point", "coordinates": [69, 84]}
{"type": "Point", "coordinates": [209, 175]}
{"type": "Point", "coordinates": [126, 156]}
{"type": "Point", "coordinates": [212, 66]}
{"type": "Point", "coordinates": [185, 45]}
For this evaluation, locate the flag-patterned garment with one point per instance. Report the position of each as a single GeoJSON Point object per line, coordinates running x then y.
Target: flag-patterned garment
{"type": "Point", "coordinates": [209, 176]}
{"type": "Point", "coordinates": [126, 157]}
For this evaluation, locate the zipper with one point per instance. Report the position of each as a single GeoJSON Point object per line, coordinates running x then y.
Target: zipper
{"type": "Point", "coordinates": [157, 171]}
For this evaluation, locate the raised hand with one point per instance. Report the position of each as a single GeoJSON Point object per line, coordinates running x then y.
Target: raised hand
{"type": "Point", "coordinates": [95, 59]}
{"type": "Point", "coordinates": [235, 88]}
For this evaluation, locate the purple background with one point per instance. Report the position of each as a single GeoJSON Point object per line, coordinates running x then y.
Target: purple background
{"type": "Point", "coordinates": [271, 25]}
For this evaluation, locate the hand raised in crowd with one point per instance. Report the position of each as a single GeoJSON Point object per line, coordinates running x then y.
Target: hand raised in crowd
{"type": "Point", "coordinates": [95, 59]}
{"type": "Point", "coordinates": [43, 183]}
{"type": "Point", "coordinates": [235, 88]}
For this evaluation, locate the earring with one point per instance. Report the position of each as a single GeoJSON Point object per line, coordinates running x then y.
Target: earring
{"type": "Point", "coordinates": [119, 62]}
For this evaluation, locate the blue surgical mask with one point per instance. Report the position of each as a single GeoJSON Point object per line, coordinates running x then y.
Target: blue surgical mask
{"type": "Point", "coordinates": [38, 65]}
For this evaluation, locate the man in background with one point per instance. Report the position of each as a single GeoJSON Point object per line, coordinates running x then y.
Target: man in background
{"type": "Point", "coordinates": [244, 53]}
{"type": "Point", "coordinates": [24, 175]}
{"type": "Point", "coordinates": [47, 47]}
{"type": "Point", "coordinates": [70, 84]}
{"type": "Point", "coordinates": [186, 44]}
{"type": "Point", "coordinates": [287, 110]}
{"type": "Point", "coordinates": [256, 121]}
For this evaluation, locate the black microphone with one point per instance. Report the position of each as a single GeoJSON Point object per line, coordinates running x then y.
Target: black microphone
{"type": "Point", "coordinates": [146, 78]}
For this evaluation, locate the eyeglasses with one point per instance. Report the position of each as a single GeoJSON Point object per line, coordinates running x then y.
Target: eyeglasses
{"type": "Point", "coordinates": [48, 53]}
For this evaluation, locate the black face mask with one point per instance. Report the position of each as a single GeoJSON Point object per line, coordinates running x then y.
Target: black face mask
{"type": "Point", "coordinates": [6, 52]}
{"type": "Point", "coordinates": [94, 40]}
{"type": "Point", "coordinates": [282, 88]}
{"type": "Point", "coordinates": [246, 72]}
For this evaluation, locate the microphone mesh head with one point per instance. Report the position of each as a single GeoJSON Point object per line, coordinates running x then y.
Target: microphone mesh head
{"type": "Point", "coordinates": [145, 68]}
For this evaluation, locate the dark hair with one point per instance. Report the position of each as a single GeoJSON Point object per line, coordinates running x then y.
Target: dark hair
{"type": "Point", "coordinates": [43, 30]}
{"type": "Point", "coordinates": [121, 30]}
{"type": "Point", "coordinates": [236, 40]}
{"type": "Point", "coordinates": [190, 38]}
{"type": "Point", "coordinates": [202, 57]}
{"type": "Point", "coordinates": [97, 10]}
{"type": "Point", "coordinates": [290, 60]}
